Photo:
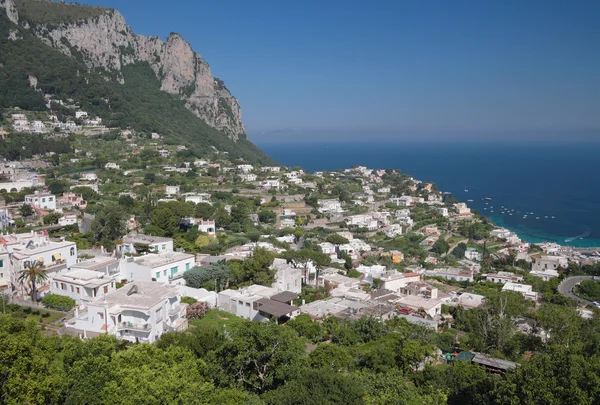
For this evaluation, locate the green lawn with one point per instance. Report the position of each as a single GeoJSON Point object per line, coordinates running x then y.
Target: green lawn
{"type": "Point", "coordinates": [209, 320]}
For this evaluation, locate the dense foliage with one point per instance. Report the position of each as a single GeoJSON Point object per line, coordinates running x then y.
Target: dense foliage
{"type": "Point", "coordinates": [60, 302]}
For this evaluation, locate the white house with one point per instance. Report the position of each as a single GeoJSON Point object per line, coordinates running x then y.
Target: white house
{"type": "Point", "coordinates": [443, 211]}
{"type": "Point", "coordinates": [172, 190]}
{"type": "Point", "coordinates": [473, 254]}
{"type": "Point", "coordinates": [139, 312]}
{"type": "Point", "coordinates": [89, 176]}
{"type": "Point", "coordinates": [331, 206]}
{"type": "Point", "coordinates": [270, 184]}
{"type": "Point", "coordinates": [82, 285]}
{"type": "Point", "coordinates": [160, 267]}
{"type": "Point", "coordinates": [69, 219]}
{"type": "Point", "coordinates": [503, 277]}
{"type": "Point", "coordinates": [247, 177]}
{"type": "Point", "coordinates": [545, 275]}
{"type": "Point", "coordinates": [157, 244]}
{"type": "Point", "coordinates": [431, 307]}
{"type": "Point", "coordinates": [287, 278]}
{"type": "Point", "coordinates": [462, 210]}
{"type": "Point", "coordinates": [258, 303]}
{"type": "Point", "coordinates": [43, 201]}
{"type": "Point", "coordinates": [523, 289]}
{"type": "Point", "coordinates": [198, 198]}
{"type": "Point", "coordinates": [550, 263]}
{"type": "Point", "coordinates": [112, 165]}
{"type": "Point", "coordinates": [81, 114]}
{"type": "Point", "coordinates": [272, 169]}
{"type": "Point", "coordinates": [207, 227]}
{"type": "Point", "coordinates": [245, 168]}
{"type": "Point", "coordinates": [327, 248]}
{"type": "Point", "coordinates": [396, 281]}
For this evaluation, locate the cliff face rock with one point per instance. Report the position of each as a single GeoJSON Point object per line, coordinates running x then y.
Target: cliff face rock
{"type": "Point", "coordinates": [106, 43]}
{"type": "Point", "coordinates": [11, 10]}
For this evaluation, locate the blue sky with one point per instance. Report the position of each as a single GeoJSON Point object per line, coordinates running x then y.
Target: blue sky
{"type": "Point", "coordinates": [394, 67]}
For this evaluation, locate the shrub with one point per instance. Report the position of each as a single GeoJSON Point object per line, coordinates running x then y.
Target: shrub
{"type": "Point", "coordinates": [188, 300]}
{"type": "Point", "coordinates": [58, 302]}
{"type": "Point", "coordinates": [197, 310]}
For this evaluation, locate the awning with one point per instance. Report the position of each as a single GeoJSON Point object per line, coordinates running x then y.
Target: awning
{"type": "Point", "coordinates": [56, 257]}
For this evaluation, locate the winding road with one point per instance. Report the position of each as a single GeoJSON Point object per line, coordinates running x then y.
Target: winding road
{"type": "Point", "coordinates": [567, 285]}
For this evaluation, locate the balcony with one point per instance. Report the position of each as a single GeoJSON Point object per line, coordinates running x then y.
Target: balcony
{"type": "Point", "coordinates": [175, 310]}
{"type": "Point", "coordinates": [144, 327]}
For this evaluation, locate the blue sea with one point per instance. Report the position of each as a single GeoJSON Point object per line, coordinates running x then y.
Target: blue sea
{"type": "Point", "coordinates": [555, 183]}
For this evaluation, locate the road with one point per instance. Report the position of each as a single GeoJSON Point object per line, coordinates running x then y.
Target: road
{"type": "Point", "coordinates": [567, 285]}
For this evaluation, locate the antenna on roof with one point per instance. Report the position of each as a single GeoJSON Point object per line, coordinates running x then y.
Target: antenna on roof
{"type": "Point", "coordinates": [132, 290]}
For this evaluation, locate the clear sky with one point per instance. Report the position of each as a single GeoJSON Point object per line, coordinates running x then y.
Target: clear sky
{"type": "Point", "coordinates": [335, 66]}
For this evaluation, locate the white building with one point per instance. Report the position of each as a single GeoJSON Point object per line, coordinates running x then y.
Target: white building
{"type": "Point", "coordinates": [160, 267]}
{"type": "Point", "coordinates": [287, 278]}
{"type": "Point", "coordinates": [156, 244]}
{"type": "Point", "coordinates": [503, 277]}
{"type": "Point", "coordinates": [258, 303]}
{"type": "Point", "coordinates": [69, 219]}
{"type": "Point", "coordinates": [523, 289]}
{"type": "Point", "coordinates": [172, 190]}
{"type": "Point", "coordinates": [550, 263]}
{"type": "Point", "coordinates": [396, 281]}
{"type": "Point", "coordinates": [245, 168]}
{"type": "Point", "coordinates": [82, 285]}
{"type": "Point", "coordinates": [198, 198]}
{"type": "Point", "coordinates": [431, 307]}
{"type": "Point", "coordinates": [331, 206]}
{"type": "Point", "coordinates": [462, 210]}
{"type": "Point", "coordinates": [81, 114]}
{"type": "Point", "coordinates": [451, 274]}
{"type": "Point", "coordinates": [138, 312]}
{"type": "Point", "coordinates": [545, 275]}
{"type": "Point", "coordinates": [112, 165]}
{"type": "Point", "coordinates": [207, 227]}
{"type": "Point", "coordinates": [272, 169]}
{"type": "Point", "coordinates": [443, 211]}
{"type": "Point", "coordinates": [247, 177]}
{"type": "Point", "coordinates": [42, 201]}
{"type": "Point", "coordinates": [270, 184]}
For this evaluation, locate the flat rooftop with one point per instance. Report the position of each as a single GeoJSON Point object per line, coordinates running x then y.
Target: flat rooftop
{"type": "Point", "coordinates": [87, 278]}
{"type": "Point", "coordinates": [158, 260]}
{"type": "Point", "coordinates": [139, 295]}
{"type": "Point", "coordinates": [145, 239]}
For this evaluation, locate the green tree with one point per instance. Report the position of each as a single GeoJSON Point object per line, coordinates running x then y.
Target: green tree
{"type": "Point", "coordinates": [52, 218]}
{"type": "Point", "coordinates": [204, 210]}
{"type": "Point", "coordinates": [126, 201]}
{"type": "Point", "coordinates": [318, 387]}
{"type": "Point", "coordinates": [336, 239]}
{"type": "Point", "coordinates": [109, 224]}
{"type": "Point", "coordinates": [33, 273]}
{"type": "Point", "coordinates": [26, 210]}
{"type": "Point", "coordinates": [257, 357]}
{"type": "Point", "coordinates": [330, 356]}
{"type": "Point", "coordinates": [198, 275]}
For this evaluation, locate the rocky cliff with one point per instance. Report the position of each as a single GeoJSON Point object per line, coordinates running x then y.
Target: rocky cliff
{"type": "Point", "coordinates": [105, 43]}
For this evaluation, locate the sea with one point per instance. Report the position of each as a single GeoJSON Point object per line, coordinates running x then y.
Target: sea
{"type": "Point", "coordinates": [542, 190]}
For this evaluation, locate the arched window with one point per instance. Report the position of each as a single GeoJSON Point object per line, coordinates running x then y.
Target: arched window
{"type": "Point", "coordinates": [72, 251]}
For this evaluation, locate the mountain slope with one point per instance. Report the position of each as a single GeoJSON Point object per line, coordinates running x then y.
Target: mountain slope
{"type": "Point", "coordinates": [126, 89]}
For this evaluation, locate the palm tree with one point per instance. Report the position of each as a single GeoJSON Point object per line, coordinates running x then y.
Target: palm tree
{"type": "Point", "coordinates": [33, 272]}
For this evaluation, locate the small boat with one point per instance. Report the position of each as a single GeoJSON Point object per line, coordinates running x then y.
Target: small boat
{"type": "Point", "coordinates": [537, 217]}
{"type": "Point", "coordinates": [546, 216]}
{"type": "Point", "coordinates": [469, 200]}
{"type": "Point", "coordinates": [487, 198]}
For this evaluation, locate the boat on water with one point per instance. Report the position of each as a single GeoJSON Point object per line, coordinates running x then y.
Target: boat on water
{"type": "Point", "coordinates": [487, 198]}
{"type": "Point", "coordinates": [469, 200]}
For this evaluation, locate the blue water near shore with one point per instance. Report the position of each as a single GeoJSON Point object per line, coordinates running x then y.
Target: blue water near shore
{"type": "Point", "coordinates": [555, 181]}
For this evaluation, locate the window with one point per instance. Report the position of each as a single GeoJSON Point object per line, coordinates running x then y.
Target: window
{"type": "Point", "coordinates": [164, 247]}
{"type": "Point", "coordinates": [43, 200]}
{"type": "Point", "coordinates": [77, 290]}
{"type": "Point", "coordinates": [248, 304]}
{"type": "Point", "coordinates": [63, 286]}
{"type": "Point", "coordinates": [72, 289]}
{"type": "Point", "coordinates": [165, 272]}
{"type": "Point", "coordinates": [72, 251]}
{"type": "Point", "coordinates": [56, 284]}
{"type": "Point", "coordinates": [174, 271]}
{"type": "Point", "coordinates": [187, 266]}
{"type": "Point", "coordinates": [105, 289]}
{"type": "Point", "coordinates": [158, 274]}
{"type": "Point", "coordinates": [101, 315]}
{"type": "Point", "coordinates": [1, 263]}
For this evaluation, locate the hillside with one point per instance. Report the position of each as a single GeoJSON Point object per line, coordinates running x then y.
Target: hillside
{"type": "Point", "coordinates": [128, 95]}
